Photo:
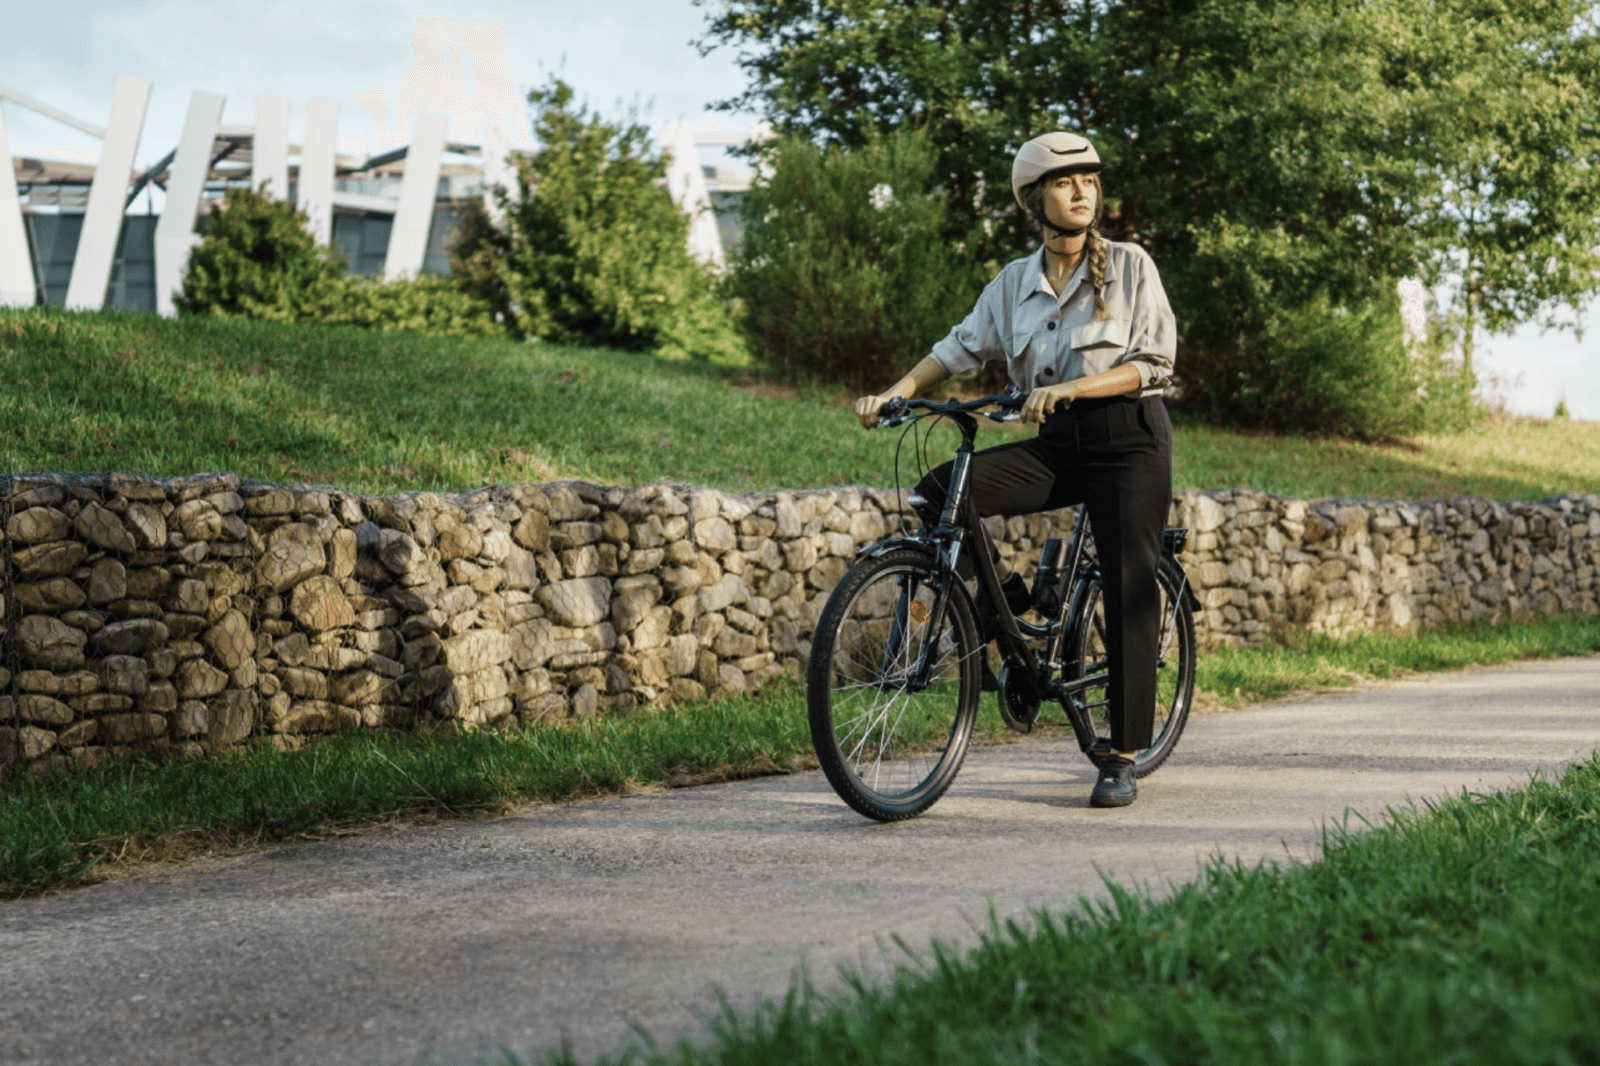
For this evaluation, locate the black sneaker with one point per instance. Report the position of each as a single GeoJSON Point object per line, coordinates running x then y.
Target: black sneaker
{"type": "Point", "coordinates": [1117, 786]}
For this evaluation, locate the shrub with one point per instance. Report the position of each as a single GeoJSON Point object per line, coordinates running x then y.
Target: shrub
{"type": "Point", "coordinates": [1327, 370]}
{"type": "Point", "coordinates": [593, 249]}
{"type": "Point", "coordinates": [428, 304]}
{"type": "Point", "coordinates": [257, 260]}
{"type": "Point", "coordinates": [844, 271]}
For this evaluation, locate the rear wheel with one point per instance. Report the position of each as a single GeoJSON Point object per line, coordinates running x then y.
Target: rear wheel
{"type": "Point", "coordinates": [1086, 656]}
{"type": "Point", "coordinates": [888, 744]}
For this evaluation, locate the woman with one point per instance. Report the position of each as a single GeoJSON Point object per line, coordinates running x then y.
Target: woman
{"type": "Point", "coordinates": [1085, 325]}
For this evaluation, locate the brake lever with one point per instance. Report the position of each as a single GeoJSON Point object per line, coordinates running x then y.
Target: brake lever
{"type": "Point", "coordinates": [1003, 416]}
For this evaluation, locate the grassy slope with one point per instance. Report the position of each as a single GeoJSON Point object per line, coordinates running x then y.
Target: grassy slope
{"type": "Point", "coordinates": [396, 412]}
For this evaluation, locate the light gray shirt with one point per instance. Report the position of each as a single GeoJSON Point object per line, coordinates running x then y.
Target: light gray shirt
{"type": "Point", "coordinates": [1046, 339]}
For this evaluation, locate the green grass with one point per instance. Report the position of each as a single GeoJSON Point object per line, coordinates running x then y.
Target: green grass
{"type": "Point", "coordinates": [1462, 933]}
{"type": "Point", "coordinates": [56, 828]}
{"type": "Point", "coordinates": [386, 412]}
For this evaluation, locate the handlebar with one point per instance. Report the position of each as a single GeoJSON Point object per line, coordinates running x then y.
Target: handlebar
{"type": "Point", "coordinates": [898, 410]}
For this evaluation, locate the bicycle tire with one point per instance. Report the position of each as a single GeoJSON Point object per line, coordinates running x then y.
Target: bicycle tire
{"type": "Point", "coordinates": [890, 752]}
{"type": "Point", "coordinates": [1176, 656]}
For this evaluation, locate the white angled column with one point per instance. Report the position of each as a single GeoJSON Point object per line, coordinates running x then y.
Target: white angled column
{"type": "Point", "coordinates": [413, 218]}
{"type": "Point", "coordinates": [269, 147]}
{"type": "Point", "coordinates": [185, 187]}
{"type": "Point", "coordinates": [687, 183]}
{"type": "Point", "coordinates": [499, 140]}
{"type": "Point", "coordinates": [108, 195]}
{"type": "Point", "coordinates": [16, 266]}
{"type": "Point", "coordinates": [316, 167]}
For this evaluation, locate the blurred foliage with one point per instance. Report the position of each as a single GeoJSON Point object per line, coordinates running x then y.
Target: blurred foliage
{"type": "Point", "coordinates": [1274, 157]}
{"type": "Point", "coordinates": [842, 270]}
{"type": "Point", "coordinates": [593, 249]}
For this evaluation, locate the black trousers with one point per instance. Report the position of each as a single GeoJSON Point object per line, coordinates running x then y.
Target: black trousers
{"type": "Point", "coordinates": [1115, 456]}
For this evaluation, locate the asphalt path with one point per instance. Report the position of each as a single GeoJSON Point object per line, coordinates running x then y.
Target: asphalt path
{"type": "Point", "coordinates": [580, 921]}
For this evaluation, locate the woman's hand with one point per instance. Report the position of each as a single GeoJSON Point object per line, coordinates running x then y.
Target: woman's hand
{"type": "Point", "coordinates": [868, 407]}
{"type": "Point", "coordinates": [1046, 400]}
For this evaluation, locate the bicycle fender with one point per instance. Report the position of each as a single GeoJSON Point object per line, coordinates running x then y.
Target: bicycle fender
{"type": "Point", "coordinates": [884, 547]}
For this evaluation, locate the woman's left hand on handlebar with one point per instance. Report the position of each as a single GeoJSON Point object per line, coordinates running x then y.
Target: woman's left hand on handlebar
{"type": "Point", "coordinates": [1046, 400]}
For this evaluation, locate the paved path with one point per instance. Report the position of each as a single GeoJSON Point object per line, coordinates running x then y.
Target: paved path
{"type": "Point", "coordinates": [426, 945]}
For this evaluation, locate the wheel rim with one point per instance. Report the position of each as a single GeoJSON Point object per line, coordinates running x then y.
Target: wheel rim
{"type": "Point", "coordinates": [892, 739]}
{"type": "Point", "coordinates": [1170, 692]}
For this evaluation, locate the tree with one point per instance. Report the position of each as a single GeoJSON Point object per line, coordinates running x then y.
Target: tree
{"type": "Point", "coordinates": [257, 260]}
{"type": "Point", "coordinates": [1271, 155]}
{"type": "Point", "coordinates": [593, 249]}
{"type": "Point", "coordinates": [842, 270]}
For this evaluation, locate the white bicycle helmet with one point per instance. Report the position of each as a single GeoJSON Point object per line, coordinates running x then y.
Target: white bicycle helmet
{"type": "Point", "coordinates": [1059, 152]}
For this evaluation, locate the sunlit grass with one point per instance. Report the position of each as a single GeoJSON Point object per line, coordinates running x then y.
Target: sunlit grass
{"type": "Point", "coordinates": [387, 412]}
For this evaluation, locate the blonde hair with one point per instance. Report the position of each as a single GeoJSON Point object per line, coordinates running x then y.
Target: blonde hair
{"type": "Point", "coordinates": [1094, 245]}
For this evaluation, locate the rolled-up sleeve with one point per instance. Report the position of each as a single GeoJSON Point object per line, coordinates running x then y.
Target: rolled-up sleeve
{"type": "Point", "coordinates": [1152, 332]}
{"type": "Point", "coordinates": [977, 340]}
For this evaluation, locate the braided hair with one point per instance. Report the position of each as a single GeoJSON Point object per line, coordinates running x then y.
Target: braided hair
{"type": "Point", "coordinates": [1094, 245]}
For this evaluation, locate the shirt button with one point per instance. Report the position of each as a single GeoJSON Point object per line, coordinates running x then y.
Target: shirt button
{"type": "Point", "coordinates": [1051, 326]}
{"type": "Point", "coordinates": [1049, 370]}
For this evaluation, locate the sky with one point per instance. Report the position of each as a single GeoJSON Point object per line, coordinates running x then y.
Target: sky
{"type": "Point", "coordinates": [617, 53]}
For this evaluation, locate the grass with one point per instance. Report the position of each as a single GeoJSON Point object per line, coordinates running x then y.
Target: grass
{"type": "Point", "coordinates": [1462, 933]}
{"type": "Point", "coordinates": [389, 412]}
{"type": "Point", "coordinates": [55, 830]}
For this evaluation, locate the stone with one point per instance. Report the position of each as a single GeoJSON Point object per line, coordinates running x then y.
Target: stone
{"type": "Point", "coordinates": [190, 720]}
{"type": "Point", "coordinates": [533, 532]}
{"type": "Point", "coordinates": [131, 728]}
{"type": "Point", "coordinates": [78, 734]}
{"type": "Point", "coordinates": [147, 524]}
{"type": "Point", "coordinates": [341, 554]}
{"type": "Point", "coordinates": [270, 502]}
{"type": "Point", "coordinates": [108, 581]}
{"type": "Point", "coordinates": [145, 583]}
{"type": "Point", "coordinates": [49, 560]}
{"type": "Point", "coordinates": [715, 535]}
{"type": "Point", "coordinates": [104, 529]}
{"type": "Point", "coordinates": [286, 563]}
{"type": "Point", "coordinates": [319, 603]}
{"type": "Point", "coordinates": [160, 696]}
{"type": "Point", "coordinates": [38, 524]}
{"type": "Point", "coordinates": [800, 555]}
{"type": "Point", "coordinates": [50, 595]}
{"type": "Point", "coordinates": [197, 520]}
{"type": "Point", "coordinates": [727, 591]}
{"type": "Point", "coordinates": [355, 689]}
{"type": "Point", "coordinates": [531, 644]}
{"type": "Point", "coordinates": [230, 641]}
{"type": "Point", "coordinates": [476, 650]}
{"type": "Point", "coordinates": [303, 683]}
{"type": "Point", "coordinates": [632, 598]}
{"type": "Point", "coordinates": [458, 542]}
{"type": "Point", "coordinates": [49, 643]}
{"type": "Point", "coordinates": [577, 602]}
{"type": "Point", "coordinates": [198, 679]}
{"type": "Point", "coordinates": [125, 675]}
{"type": "Point", "coordinates": [33, 707]}
{"type": "Point", "coordinates": [521, 569]}
{"type": "Point", "coordinates": [231, 716]}
{"type": "Point", "coordinates": [101, 703]}
{"type": "Point", "coordinates": [132, 637]}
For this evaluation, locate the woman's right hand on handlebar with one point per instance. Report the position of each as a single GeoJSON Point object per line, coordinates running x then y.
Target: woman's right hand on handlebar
{"type": "Point", "coordinates": [868, 408]}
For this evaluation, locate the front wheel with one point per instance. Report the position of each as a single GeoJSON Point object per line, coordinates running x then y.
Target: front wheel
{"type": "Point", "coordinates": [889, 742]}
{"type": "Point", "coordinates": [1086, 656]}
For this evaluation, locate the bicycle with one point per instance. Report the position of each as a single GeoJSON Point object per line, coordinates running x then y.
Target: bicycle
{"type": "Point", "coordinates": [894, 679]}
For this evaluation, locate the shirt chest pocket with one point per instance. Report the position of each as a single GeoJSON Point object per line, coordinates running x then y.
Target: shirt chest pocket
{"type": "Point", "coordinates": [1100, 337]}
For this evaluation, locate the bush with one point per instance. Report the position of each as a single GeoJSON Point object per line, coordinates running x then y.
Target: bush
{"type": "Point", "coordinates": [429, 304]}
{"type": "Point", "coordinates": [1326, 370]}
{"type": "Point", "coordinates": [258, 260]}
{"type": "Point", "coordinates": [593, 249]}
{"type": "Point", "coordinates": [844, 271]}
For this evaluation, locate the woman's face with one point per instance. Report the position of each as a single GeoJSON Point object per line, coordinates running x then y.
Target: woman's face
{"type": "Point", "coordinates": [1070, 200]}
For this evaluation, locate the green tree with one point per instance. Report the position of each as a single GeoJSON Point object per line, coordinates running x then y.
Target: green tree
{"type": "Point", "coordinates": [1271, 155]}
{"type": "Point", "coordinates": [842, 271]}
{"type": "Point", "coordinates": [257, 260]}
{"type": "Point", "coordinates": [593, 249]}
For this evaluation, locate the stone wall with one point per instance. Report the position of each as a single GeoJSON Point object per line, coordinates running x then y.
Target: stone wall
{"type": "Point", "coordinates": [180, 615]}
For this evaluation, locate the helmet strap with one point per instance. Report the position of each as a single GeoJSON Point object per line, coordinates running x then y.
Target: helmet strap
{"type": "Point", "coordinates": [1039, 217]}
